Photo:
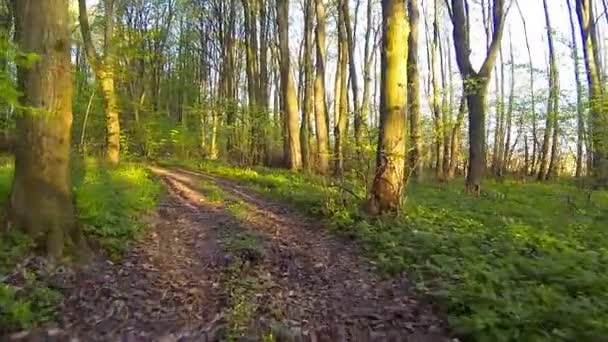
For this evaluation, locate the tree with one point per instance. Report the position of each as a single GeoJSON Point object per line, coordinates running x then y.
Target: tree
{"type": "Point", "coordinates": [413, 95]}
{"type": "Point", "coordinates": [321, 118]}
{"type": "Point", "coordinates": [598, 114]}
{"type": "Point", "coordinates": [308, 82]}
{"type": "Point", "coordinates": [387, 188]}
{"type": "Point", "coordinates": [340, 97]}
{"type": "Point", "coordinates": [547, 157]}
{"type": "Point", "coordinates": [359, 124]}
{"type": "Point", "coordinates": [41, 201]}
{"type": "Point", "coordinates": [476, 83]}
{"type": "Point", "coordinates": [103, 66]}
{"type": "Point", "coordinates": [288, 91]}
{"type": "Point", "coordinates": [580, 113]}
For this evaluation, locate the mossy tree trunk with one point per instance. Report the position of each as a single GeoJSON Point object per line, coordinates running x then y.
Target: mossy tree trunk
{"type": "Point", "coordinates": [388, 186]}
{"type": "Point", "coordinates": [41, 202]}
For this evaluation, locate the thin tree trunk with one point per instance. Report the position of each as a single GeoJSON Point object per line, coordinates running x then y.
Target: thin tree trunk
{"type": "Point", "coordinates": [308, 84]}
{"type": "Point", "coordinates": [580, 112]}
{"type": "Point", "coordinates": [103, 66]}
{"type": "Point", "coordinates": [413, 77]}
{"type": "Point", "coordinates": [547, 161]}
{"type": "Point", "coordinates": [321, 119]}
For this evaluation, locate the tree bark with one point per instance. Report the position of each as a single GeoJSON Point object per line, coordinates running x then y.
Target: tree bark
{"type": "Point", "coordinates": [413, 95]}
{"type": "Point", "coordinates": [549, 149]}
{"type": "Point", "coordinates": [580, 112]}
{"type": "Point", "coordinates": [308, 84]}
{"type": "Point", "coordinates": [359, 125]}
{"type": "Point", "coordinates": [598, 116]}
{"type": "Point", "coordinates": [41, 201]}
{"type": "Point", "coordinates": [476, 85]}
{"type": "Point", "coordinates": [321, 119]}
{"type": "Point", "coordinates": [388, 186]}
{"type": "Point", "coordinates": [341, 98]}
{"type": "Point", "coordinates": [289, 97]}
{"type": "Point", "coordinates": [103, 66]}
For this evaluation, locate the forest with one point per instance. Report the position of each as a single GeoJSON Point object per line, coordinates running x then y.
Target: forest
{"type": "Point", "coordinates": [304, 170]}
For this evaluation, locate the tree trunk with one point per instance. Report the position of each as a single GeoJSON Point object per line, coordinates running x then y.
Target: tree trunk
{"type": "Point", "coordinates": [580, 112]}
{"type": "Point", "coordinates": [359, 125]}
{"type": "Point", "coordinates": [435, 106]}
{"type": "Point", "coordinates": [103, 66]}
{"type": "Point", "coordinates": [507, 144]}
{"type": "Point", "coordinates": [364, 110]}
{"type": "Point", "coordinates": [413, 78]}
{"type": "Point", "coordinates": [341, 98]}
{"type": "Point", "coordinates": [551, 128]}
{"type": "Point", "coordinates": [455, 140]}
{"type": "Point", "coordinates": [388, 186]}
{"type": "Point", "coordinates": [41, 201]}
{"type": "Point", "coordinates": [598, 124]}
{"type": "Point", "coordinates": [321, 119]}
{"type": "Point", "coordinates": [476, 84]}
{"type": "Point", "coordinates": [308, 84]}
{"type": "Point", "coordinates": [289, 97]}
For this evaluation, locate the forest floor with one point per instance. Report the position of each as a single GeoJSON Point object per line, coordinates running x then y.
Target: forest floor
{"type": "Point", "coordinates": [221, 262]}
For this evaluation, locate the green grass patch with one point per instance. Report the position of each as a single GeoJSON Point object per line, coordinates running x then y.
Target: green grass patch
{"type": "Point", "coordinates": [109, 204]}
{"type": "Point", "coordinates": [525, 262]}
{"type": "Point", "coordinates": [212, 192]}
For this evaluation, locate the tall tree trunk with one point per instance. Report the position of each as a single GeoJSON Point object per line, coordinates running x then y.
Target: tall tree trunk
{"type": "Point", "coordinates": [435, 105]}
{"type": "Point", "coordinates": [354, 80]}
{"type": "Point", "coordinates": [321, 119]}
{"type": "Point", "coordinates": [341, 98]}
{"type": "Point", "coordinates": [598, 125]}
{"type": "Point", "coordinates": [476, 85]}
{"type": "Point", "coordinates": [289, 97]}
{"type": "Point", "coordinates": [103, 66]}
{"type": "Point", "coordinates": [548, 156]}
{"type": "Point", "coordinates": [41, 201]}
{"type": "Point", "coordinates": [580, 112]}
{"type": "Point", "coordinates": [388, 186]}
{"type": "Point", "coordinates": [507, 144]}
{"type": "Point", "coordinates": [413, 95]}
{"type": "Point", "coordinates": [308, 83]}
{"type": "Point", "coordinates": [368, 56]}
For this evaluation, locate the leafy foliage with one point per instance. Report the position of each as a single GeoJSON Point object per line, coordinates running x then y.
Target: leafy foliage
{"type": "Point", "coordinates": [524, 261]}
{"type": "Point", "coordinates": [109, 203]}
{"type": "Point", "coordinates": [111, 200]}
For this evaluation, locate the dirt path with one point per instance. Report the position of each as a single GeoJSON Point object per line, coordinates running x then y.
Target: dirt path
{"type": "Point", "coordinates": [220, 262]}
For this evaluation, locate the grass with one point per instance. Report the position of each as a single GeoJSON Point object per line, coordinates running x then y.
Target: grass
{"type": "Point", "coordinates": [525, 262]}
{"type": "Point", "coordinates": [109, 204]}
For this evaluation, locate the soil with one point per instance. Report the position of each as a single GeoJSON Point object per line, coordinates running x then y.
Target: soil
{"type": "Point", "coordinates": [240, 268]}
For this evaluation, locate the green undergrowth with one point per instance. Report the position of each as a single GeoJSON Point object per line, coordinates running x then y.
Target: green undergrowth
{"type": "Point", "coordinates": [524, 262]}
{"type": "Point", "coordinates": [109, 204]}
{"type": "Point", "coordinates": [111, 201]}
